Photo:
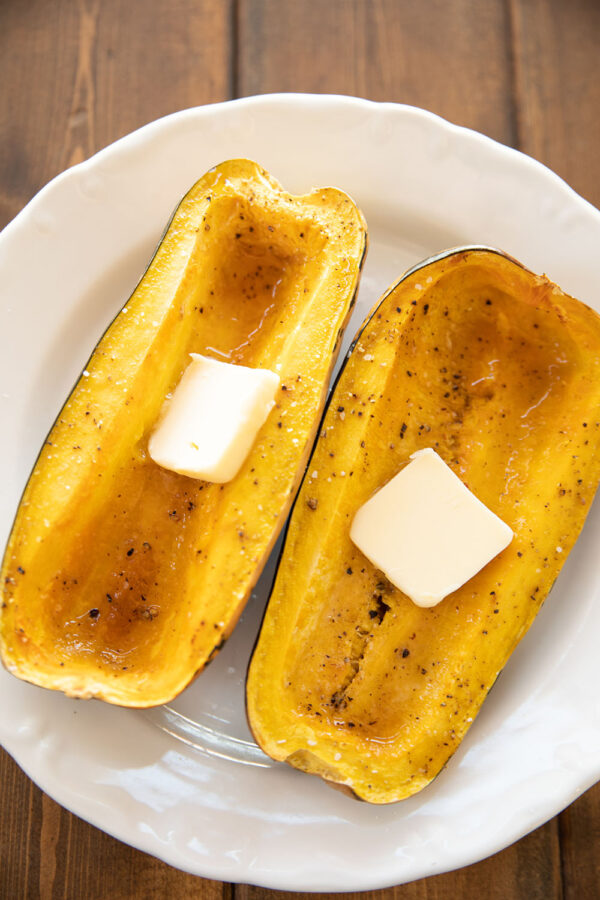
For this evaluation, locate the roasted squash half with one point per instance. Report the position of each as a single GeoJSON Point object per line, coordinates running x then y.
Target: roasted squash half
{"type": "Point", "coordinates": [499, 371]}
{"type": "Point", "coordinates": [121, 579]}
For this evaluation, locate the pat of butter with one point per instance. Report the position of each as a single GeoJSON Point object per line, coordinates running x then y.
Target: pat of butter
{"type": "Point", "coordinates": [426, 531]}
{"type": "Point", "coordinates": [209, 425]}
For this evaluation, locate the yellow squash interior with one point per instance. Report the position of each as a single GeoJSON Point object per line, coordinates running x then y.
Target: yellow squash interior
{"type": "Point", "coordinates": [121, 578]}
{"type": "Point", "coordinates": [499, 372]}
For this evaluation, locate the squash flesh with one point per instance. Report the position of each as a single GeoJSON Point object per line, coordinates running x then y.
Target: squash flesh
{"type": "Point", "coordinates": [498, 371]}
{"type": "Point", "coordinates": [121, 579]}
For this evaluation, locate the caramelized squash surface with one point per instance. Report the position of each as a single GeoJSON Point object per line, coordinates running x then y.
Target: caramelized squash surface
{"type": "Point", "coordinates": [122, 579]}
{"type": "Point", "coordinates": [499, 371]}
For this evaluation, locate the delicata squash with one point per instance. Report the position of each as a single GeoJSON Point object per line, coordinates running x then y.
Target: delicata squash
{"type": "Point", "coordinates": [122, 579]}
{"type": "Point", "coordinates": [499, 371]}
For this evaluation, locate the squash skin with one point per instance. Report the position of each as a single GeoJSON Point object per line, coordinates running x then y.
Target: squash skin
{"type": "Point", "coordinates": [350, 680]}
{"type": "Point", "coordinates": [121, 580]}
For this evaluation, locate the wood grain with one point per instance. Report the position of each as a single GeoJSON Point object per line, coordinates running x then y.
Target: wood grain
{"type": "Point", "coordinates": [452, 58]}
{"type": "Point", "coordinates": [47, 853]}
{"type": "Point", "coordinates": [556, 48]}
{"type": "Point", "coordinates": [556, 53]}
{"type": "Point", "coordinates": [579, 832]}
{"type": "Point", "coordinates": [77, 74]}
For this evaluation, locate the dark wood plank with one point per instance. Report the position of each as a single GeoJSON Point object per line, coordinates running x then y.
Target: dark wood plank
{"type": "Point", "coordinates": [449, 57]}
{"type": "Point", "coordinates": [46, 852]}
{"type": "Point", "coordinates": [16, 806]}
{"type": "Point", "coordinates": [557, 63]}
{"type": "Point", "coordinates": [557, 83]}
{"type": "Point", "coordinates": [579, 829]}
{"type": "Point", "coordinates": [37, 47]}
{"type": "Point", "coordinates": [78, 74]}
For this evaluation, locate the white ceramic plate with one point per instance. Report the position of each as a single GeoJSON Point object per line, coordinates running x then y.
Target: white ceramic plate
{"type": "Point", "coordinates": [67, 263]}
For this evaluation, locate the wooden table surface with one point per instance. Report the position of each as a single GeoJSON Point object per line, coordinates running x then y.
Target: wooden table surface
{"type": "Point", "coordinates": [77, 74]}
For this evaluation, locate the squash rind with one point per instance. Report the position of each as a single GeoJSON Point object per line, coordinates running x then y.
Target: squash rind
{"type": "Point", "coordinates": [350, 680]}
